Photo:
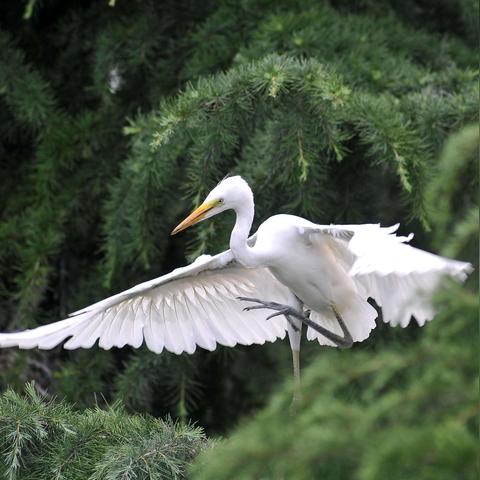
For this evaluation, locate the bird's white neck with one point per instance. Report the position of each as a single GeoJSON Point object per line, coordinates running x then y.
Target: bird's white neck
{"type": "Point", "coordinates": [246, 255]}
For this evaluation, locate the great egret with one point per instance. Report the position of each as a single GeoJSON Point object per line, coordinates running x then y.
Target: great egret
{"type": "Point", "coordinates": [318, 275]}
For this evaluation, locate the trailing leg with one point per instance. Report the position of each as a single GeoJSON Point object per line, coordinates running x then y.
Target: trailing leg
{"type": "Point", "coordinates": [345, 341]}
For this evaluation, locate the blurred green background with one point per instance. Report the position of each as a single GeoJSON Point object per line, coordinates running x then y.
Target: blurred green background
{"type": "Point", "coordinates": [117, 117]}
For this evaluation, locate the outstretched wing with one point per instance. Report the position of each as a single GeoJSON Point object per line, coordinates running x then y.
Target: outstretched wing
{"type": "Point", "coordinates": [193, 305]}
{"type": "Point", "coordinates": [400, 278]}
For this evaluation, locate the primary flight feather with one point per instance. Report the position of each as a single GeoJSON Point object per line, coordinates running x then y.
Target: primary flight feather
{"type": "Point", "coordinates": [318, 275]}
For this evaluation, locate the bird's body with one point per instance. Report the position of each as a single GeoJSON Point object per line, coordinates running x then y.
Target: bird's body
{"type": "Point", "coordinates": [324, 281]}
{"type": "Point", "coordinates": [320, 275]}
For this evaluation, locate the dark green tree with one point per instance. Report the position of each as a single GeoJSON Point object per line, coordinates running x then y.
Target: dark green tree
{"type": "Point", "coordinates": [40, 439]}
{"type": "Point", "coordinates": [410, 410]}
{"type": "Point", "coordinates": [117, 117]}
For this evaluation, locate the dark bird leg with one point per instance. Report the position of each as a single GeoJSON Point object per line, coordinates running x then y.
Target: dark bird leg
{"type": "Point", "coordinates": [346, 341]}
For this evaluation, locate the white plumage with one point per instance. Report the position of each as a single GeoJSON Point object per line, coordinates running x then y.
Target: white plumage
{"type": "Point", "coordinates": [193, 305]}
{"type": "Point", "coordinates": [291, 261]}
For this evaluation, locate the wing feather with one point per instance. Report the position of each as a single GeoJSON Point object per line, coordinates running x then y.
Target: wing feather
{"type": "Point", "coordinates": [223, 327]}
{"type": "Point", "coordinates": [202, 333]}
{"type": "Point", "coordinates": [400, 278]}
{"type": "Point", "coordinates": [193, 305]}
{"type": "Point", "coordinates": [153, 336]}
{"type": "Point", "coordinates": [231, 317]}
{"type": "Point", "coordinates": [105, 339]}
{"type": "Point", "coordinates": [183, 322]}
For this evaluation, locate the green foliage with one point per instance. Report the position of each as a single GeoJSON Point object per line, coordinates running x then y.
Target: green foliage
{"type": "Point", "coordinates": [410, 410]}
{"type": "Point", "coordinates": [117, 117]}
{"type": "Point", "coordinates": [452, 189]}
{"type": "Point", "coordinates": [400, 413]}
{"type": "Point", "coordinates": [49, 440]}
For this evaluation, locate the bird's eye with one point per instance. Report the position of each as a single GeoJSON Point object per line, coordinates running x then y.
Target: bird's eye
{"type": "Point", "coordinates": [220, 200]}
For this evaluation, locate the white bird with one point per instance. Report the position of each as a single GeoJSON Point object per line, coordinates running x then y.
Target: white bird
{"type": "Point", "coordinates": [318, 275]}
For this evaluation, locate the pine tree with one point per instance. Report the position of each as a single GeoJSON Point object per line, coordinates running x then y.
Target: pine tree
{"type": "Point", "coordinates": [41, 439]}
{"type": "Point", "coordinates": [117, 117]}
{"type": "Point", "coordinates": [411, 409]}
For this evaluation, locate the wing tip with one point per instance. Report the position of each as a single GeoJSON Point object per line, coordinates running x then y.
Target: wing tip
{"type": "Point", "coordinates": [462, 271]}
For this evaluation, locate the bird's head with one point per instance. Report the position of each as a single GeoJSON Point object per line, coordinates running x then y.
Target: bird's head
{"type": "Point", "coordinates": [230, 193]}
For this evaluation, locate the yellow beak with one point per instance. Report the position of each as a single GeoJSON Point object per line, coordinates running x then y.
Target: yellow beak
{"type": "Point", "coordinates": [197, 215]}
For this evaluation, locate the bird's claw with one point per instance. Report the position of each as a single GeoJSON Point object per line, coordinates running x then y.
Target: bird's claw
{"type": "Point", "coordinates": [278, 307]}
{"type": "Point", "coordinates": [262, 304]}
{"type": "Point", "coordinates": [279, 312]}
{"type": "Point", "coordinates": [253, 307]}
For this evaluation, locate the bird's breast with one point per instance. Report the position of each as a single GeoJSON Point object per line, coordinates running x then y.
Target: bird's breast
{"type": "Point", "coordinates": [313, 274]}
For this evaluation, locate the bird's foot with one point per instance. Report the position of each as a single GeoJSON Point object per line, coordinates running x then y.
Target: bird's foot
{"type": "Point", "coordinates": [280, 309]}
{"type": "Point", "coordinates": [344, 341]}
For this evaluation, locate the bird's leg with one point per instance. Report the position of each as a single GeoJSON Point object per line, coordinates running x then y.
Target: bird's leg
{"type": "Point", "coordinates": [297, 391]}
{"type": "Point", "coordinates": [287, 311]}
{"type": "Point", "coordinates": [347, 337]}
{"type": "Point", "coordinates": [345, 341]}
